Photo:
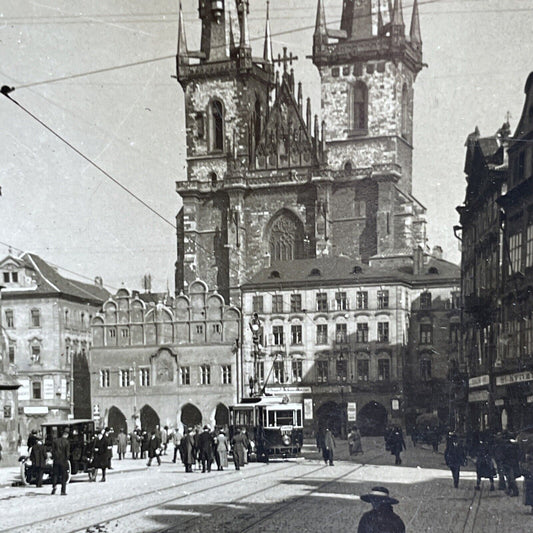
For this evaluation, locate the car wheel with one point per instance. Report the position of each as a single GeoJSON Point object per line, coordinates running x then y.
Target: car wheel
{"type": "Point", "coordinates": [69, 471]}
{"type": "Point", "coordinates": [25, 473]}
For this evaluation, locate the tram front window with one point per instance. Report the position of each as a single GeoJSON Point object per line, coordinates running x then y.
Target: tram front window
{"type": "Point", "coordinates": [243, 418]}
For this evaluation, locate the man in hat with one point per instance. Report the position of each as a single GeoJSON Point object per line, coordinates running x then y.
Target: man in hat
{"type": "Point", "coordinates": [60, 455]}
{"type": "Point", "coordinates": [205, 449]}
{"type": "Point", "coordinates": [455, 456]}
{"type": "Point", "coordinates": [187, 450]}
{"type": "Point", "coordinates": [381, 519]}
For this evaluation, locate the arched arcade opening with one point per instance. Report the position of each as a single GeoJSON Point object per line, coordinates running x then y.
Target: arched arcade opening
{"type": "Point", "coordinates": [372, 419]}
{"type": "Point", "coordinates": [149, 419]}
{"type": "Point", "coordinates": [190, 415]}
{"type": "Point", "coordinates": [116, 420]}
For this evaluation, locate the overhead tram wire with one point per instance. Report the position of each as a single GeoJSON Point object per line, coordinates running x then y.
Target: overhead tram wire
{"type": "Point", "coordinates": [173, 56]}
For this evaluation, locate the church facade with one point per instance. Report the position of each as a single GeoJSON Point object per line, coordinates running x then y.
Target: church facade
{"type": "Point", "coordinates": [267, 180]}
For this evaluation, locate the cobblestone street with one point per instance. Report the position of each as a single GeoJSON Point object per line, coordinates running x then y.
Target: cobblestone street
{"type": "Point", "coordinates": [302, 493]}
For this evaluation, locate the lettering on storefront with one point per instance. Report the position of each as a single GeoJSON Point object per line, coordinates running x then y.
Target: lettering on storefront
{"type": "Point", "coordinates": [499, 403]}
{"type": "Point", "coordinates": [478, 396]}
{"type": "Point", "coordinates": [519, 377]}
{"type": "Point", "coordinates": [289, 390]}
{"type": "Point", "coordinates": [478, 381]}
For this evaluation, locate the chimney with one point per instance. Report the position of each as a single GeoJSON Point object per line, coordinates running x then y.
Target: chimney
{"type": "Point", "coordinates": [98, 281]}
{"type": "Point", "coordinates": [418, 261]}
{"type": "Point", "coordinates": [437, 252]}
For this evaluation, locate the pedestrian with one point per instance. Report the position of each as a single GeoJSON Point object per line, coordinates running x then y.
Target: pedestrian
{"type": "Point", "coordinates": [176, 441]}
{"type": "Point", "coordinates": [145, 438]}
{"type": "Point", "coordinates": [381, 519]}
{"type": "Point", "coordinates": [498, 452]}
{"type": "Point", "coordinates": [100, 453]}
{"type": "Point", "coordinates": [455, 457]}
{"type": "Point", "coordinates": [354, 441]}
{"type": "Point", "coordinates": [527, 470]}
{"type": "Point", "coordinates": [511, 467]}
{"type": "Point", "coordinates": [135, 443]}
{"type": "Point", "coordinates": [328, 447]}
{"type": "Point", "coordinates": [60, 456]}
{"type": "Point", "coordinates": [239, 445]}
{"type": "Point", "coordinates": [32, 439]}
{"type": "Point", "coordinates": [164, 440]}
{"type": "Point", "coordinates": [187, 450]}
{"type": "Point", "coordinates": [396, 444]}
{"type": "Point", "coordinates": [38, 461]}
{"type": "Point", "coordinates": [205, 447]}
{"type": "Point", "coordinates": [122, 444]}
{"type": "Point", "coordinates": [484, 464]}
{"type": "Point", "coordinates": [247, 445]}
{"type": "Point", "coordinates": [108, 432]}
{"type": "Point", "coordinates": [154, 449]}
{"type": "Point", "coordinates": [221, 450]}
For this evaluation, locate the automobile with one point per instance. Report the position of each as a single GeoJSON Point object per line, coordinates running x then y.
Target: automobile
{"type": "Point", "coordinates": [427, 430]}
{"type": "Point", "coordinates": [81, 438]}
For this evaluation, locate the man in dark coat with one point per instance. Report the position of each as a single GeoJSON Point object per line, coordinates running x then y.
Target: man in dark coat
{"type": "Point", "coordinates": [60, 455]}
{"type": "Point", "coordinates": [187, 450]}
{"type": "Point", "coordinates": [32, 439]}
{"type": "Point", "coordinates": [511, 467]}
{"type": "Point", "coordinates": [239, 445]}
{"type": "Point", "coordinates": [205, 449]}
{"type": "Point", "coordinates": [498, 452]}
{"type": "Point", "coordinates": [396, 444]}
{"type": "Point", "coordinates": [100, 453]}
{"type": "Point", "coordinates": [484, 465]}
{"type": "Point", "coordinates": [381, 519]}
{"type": "Point", "coordinates": [154, 449]}
{"type": "Point", "coordinates": [38, 461]}
{"type": "Point", "coordinates": [328, 447]}
{"type": "Point", "coordinates": [455, 457]}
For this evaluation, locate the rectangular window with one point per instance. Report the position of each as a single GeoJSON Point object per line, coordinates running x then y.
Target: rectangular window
{"type": "Point", "coordinates": [35, 318]}
{"type": "Point", "coordinates": [36, 390]}
{"type": "Point", "coordinates": [257, 304]}
{"type": "Point", "coordinates": [279, 372]}
{"type": "Point", "coordinates": [362, 299]}
{"type": "Point", "coordinates": [360, 208]}
{"type": "Point", "coordinates": [144, 377]}
{"type": "Point", "coordinates": [297, 371]}
{"type": "Point", "coordinates": [125, 333]}
{"type": "Point", "coordinates": [383, 299]}
{"type": "Point", "coordinates": [322, 334]}
{"type": "Point", "coordinates": [383, 370]}
{"type": "Point", "coordinates": [6, 277]}
{"type": "Point", "coordinates": [260, 369]}
{"type": "Point", "coordinates": [124, 378]}
{"type": "Point", "coordinates": [10, 319]}
{"type": "Point", "coordinates": [455, 333]}
{"type": "Point", "coordinates": [515, 253]}
{"type": "Point", "coordinates": [104, 378]}
{"type": "Point", "coordinates": [36, 354]}
{"type": "Point", "coordinates": [362, 332]}
{"type": "Point", "coordinates": [199, 329]}
{"type": "Point", "coordinates": [8, 411]}
{"type": "Point", "coordinates": [296, 303]}
{"type": "Point", "coordinates": [383, 332]}
{"type": "Point", "coordinates": [226, 374]}
{"type": "Point", "coordinates": [322, 371]}
{"type": "Point", "coordinates": [342, 369]}
{"type": "Point", "coordinates": [277, 303]}
{"type": "Point", "coordinates": [362, 369]}
{"type": "Point", "coordinates": [14, 277]}
{"type": "Point", "coordinates": [341, 301]}
{"type": "Point", "coordinates": [321, 301]}
{"type": "Point", "coordinates": [216, 328]}
{"type": "Point", "coordinates": [11, 353]}
{"type": "Point", "coordinates": [185, 375]}
{"type": "Point", "coordinates": [296, 334]}
{"type": "Point", "coordinates": [277, 335]}
{"type": "Point", "coordinates": [341, 335]}
{"type": "Point", "coordinates": [425, 300]}
{"type": "Point", "coordinates": [425, 369]}
{"type": "Point", "coordinates": [529, 246]}
{"type": "Point", "coordinates": [112, 333]}
{"type": "Point", "coordinates": [426, 333]}
{"type": "Point", "coordinates": [205, 375]}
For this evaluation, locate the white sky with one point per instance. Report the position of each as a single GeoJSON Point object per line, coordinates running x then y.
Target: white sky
{"type": "Point", "coordinates": [130, 121]}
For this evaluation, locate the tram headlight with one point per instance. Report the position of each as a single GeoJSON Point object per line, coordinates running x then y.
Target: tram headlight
{"type": "Point", "coordinates": [286, 440]}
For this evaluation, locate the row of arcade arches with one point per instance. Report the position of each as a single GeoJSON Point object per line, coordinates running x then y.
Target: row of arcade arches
{"type": "Point", "coordinates": [190, 416]}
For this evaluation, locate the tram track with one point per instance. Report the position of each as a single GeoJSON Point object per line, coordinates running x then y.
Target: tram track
{"type": "Point", "coordinates": [473, 510]}
{"type": "Point", "coordinates": [28, 526]}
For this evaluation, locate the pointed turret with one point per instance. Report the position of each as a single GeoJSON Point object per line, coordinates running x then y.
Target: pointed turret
{"type": "Point", "coordinates": [267, 50]}
{"type": "Point", "coordinates": [380, 19]}
{"type": "Point", "coordinates": [415, 34]}
{"type": "Point", "coordinates": [397, 14]}
{"type": "Point", "coordinates": [356, 19]}
{"type": "Point", "coordinates": [182, 39]}
{"type": "Point", "coordinates": [320, 37]}
{"type": "Point", "coordinates": [244, 9]}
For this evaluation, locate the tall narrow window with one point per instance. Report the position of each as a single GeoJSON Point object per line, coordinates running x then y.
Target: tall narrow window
{"type": "Point", "coordinates": [10, 320]}
{"type": "Point", "coordinates": [359, 107]}
{"type": "Point", "coordinates": [279, 372]}
{"type": "Point", "coordinates": [257, 122]}
{"type": "Point", "coordinates": [405, 112]}
{"type": "Point", "coordinates": [297, 371]}
{"type": "Point", "coordinates": [217, 126]}
{"type": "Point", "coordinates": [35, 318]}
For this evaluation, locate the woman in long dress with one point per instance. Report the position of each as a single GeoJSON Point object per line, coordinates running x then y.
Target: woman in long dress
{"type": "Point", "coordinates": [354, 441]}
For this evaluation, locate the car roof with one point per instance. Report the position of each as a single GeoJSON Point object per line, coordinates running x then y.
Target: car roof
{"type": "Point", "coordinates": [71, 422]}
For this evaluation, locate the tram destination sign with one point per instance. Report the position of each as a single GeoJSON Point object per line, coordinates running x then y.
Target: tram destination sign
{"type": "Point", "coordinates": [519, 377]}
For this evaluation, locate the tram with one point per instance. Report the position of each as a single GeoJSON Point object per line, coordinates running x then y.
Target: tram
{"type": "Point", "coordinates": [273, 425]}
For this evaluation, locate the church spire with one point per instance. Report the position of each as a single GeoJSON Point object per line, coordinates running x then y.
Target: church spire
{"type": "Point", "coordinates": [182, 40]}
{"type": "Point", "coordinates": [244, 9]}
{"type": "Point", "coordinates": [320, 25]}
{"type": "Point", "coordinates": [415, 34]}
{"type": "Point", "coordinates": [397, 15]}
{"type": "Point", "coordinates": [356, 19]}
{"type": "Point", "coordinates": [267, 51]}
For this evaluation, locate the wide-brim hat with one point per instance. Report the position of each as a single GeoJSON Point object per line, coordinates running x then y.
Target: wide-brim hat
{"type": "Point", "coordinates": [379, 495]}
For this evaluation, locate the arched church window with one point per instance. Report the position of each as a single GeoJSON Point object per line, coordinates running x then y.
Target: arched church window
{"type": "Point", "coordinates": [286, 238]}
{"type": "Point", "coordinates": [359, 107]}
{"type": "Point", "coordinates": [216, 126]}
{"type": "Point", "coordinates": [405, 111]}
{"type": "Point", "coordinates": [257, 121]}
{"type": "Point", "coordinates": [214, 178]}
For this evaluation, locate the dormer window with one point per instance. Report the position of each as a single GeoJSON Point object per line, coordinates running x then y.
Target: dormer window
{"type": "Point", "coordinates": [11, 277]}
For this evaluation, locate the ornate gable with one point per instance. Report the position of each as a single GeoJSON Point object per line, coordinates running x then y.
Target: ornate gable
{"type": "Point", "coordinates": [286, 140]}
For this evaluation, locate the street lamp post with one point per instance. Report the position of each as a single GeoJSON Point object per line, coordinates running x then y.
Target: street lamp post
{"type": "Point", "coordinates": [133, 383]}
{"type": "Point", "coordinates": [257, 330]}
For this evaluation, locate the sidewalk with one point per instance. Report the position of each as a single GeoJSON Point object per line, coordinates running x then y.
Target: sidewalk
{"type": "Point", "coordinates": [10, 475]}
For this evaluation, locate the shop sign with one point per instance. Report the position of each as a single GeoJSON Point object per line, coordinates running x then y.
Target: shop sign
{"type": "Point", "coordinates": [478, 381]}
{"type": "Point", "coordinates": [289, 390]}
{"type": "Point", "coordinates": [499, 403]}
{"type": "Point", "coordinates": [352, 411]}
{"type": "Point", "coordinates": [24, 389]}
{"type": "Point", "coordinates": [519, 377]}
{"type": "Point", "coordinates": [48, 388]}
{"type": "Point", "coordinates": [308, 408]}
{"type": "Point", "coordinates": [37, 410]}
{"type": "Point", "coordinates": [478, 396]}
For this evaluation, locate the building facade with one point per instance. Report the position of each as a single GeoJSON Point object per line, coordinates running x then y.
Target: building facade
{"type": "Point", "coordinates": [46, 320]}
{"type": "Point", "coordinates": [336, 335]}
{"type": "Point", "coordinates": [173, 362]}
{"type": "Point", "coordinates": [266, 180]}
